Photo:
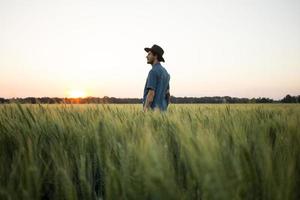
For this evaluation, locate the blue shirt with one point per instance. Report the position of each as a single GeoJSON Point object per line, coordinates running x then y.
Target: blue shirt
{"type": "Point", "coordinates": [158, 80]}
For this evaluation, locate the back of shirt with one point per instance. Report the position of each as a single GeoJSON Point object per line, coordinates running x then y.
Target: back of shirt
{"type": "Point", "coordinates": [158, 80]}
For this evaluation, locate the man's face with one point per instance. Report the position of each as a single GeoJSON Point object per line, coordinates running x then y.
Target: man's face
{"type": "Point", "coordinates": [150, 58]}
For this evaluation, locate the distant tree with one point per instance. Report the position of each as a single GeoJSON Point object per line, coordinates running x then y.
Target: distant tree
{"type": "Point", "coordinates": [3, 100]}
{"type": "Point", "coordinates": [31, 100]}
{"type": "Point", "coordinates": [289, 99]}
{"type": "Point", "coordinates": [264, 100]}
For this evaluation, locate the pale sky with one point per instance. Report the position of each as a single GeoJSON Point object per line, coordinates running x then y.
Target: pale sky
{"type": "Point", "coordinates": [242, 48]}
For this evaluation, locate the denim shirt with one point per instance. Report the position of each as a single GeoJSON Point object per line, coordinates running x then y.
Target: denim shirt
{"type": "Point", "coordinates": [158, 80]}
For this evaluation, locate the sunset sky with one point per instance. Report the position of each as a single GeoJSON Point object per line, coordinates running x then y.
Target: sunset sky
{"type": "Point", "coordinates": [63, 48]}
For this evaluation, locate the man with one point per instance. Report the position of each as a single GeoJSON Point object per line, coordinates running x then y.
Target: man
{"type": "Point", "coordinates": [157, 87]}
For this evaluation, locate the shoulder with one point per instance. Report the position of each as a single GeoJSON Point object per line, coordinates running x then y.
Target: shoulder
{"type": "Point", "coordinates": [153, 72]}
{"type": "Point", "coordinates": [165, 71]}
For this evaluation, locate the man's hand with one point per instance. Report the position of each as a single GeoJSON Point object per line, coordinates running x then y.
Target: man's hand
{"type": "Point", "coordinates": [149, 99]}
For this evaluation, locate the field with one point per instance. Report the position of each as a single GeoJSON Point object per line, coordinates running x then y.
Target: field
{"type": "Point", "coordinates": [119, 152]}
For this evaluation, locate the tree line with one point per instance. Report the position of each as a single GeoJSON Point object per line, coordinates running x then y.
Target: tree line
{"type": "Point", "coordinates": [176, 100]}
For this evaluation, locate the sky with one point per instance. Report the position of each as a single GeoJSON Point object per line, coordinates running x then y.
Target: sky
{"type": "Point", "coordinates": [240, 48]}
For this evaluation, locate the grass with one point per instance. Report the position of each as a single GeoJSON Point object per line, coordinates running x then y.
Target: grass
{"type": "Point", "coordinates": [119, 152]}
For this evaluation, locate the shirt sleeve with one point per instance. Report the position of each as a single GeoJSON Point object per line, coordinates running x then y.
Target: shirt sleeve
{"type": "Point", "coordinates": [152, 80]}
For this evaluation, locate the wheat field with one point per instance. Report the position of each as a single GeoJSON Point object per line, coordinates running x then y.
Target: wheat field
{"type": "Point", "coordinates": [240, 151]}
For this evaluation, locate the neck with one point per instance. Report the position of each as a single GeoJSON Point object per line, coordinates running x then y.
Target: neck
{"type": "Point", "coordinates": [155, 62]}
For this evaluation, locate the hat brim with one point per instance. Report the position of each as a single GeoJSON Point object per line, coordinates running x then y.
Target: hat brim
{"type": "Point", "coordinates": [160, 58]}
{"type": "Point", "coordinates": [147, 49]}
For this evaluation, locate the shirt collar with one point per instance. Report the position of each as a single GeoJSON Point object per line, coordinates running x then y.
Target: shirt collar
{"type": "Point", "coordinates": [156, 64]}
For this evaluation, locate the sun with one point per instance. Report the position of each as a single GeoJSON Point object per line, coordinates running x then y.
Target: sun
{"type": "Point", "coordinates": [77, 94]}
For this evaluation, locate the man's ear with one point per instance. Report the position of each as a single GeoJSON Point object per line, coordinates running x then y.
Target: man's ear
{"type": "Point", "coordinates": [155, 56]}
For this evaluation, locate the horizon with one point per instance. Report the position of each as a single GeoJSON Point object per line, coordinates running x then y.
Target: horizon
{"type": "Point", "coordinates": [141, 97]}
{"type": "Point", "coordinates": [64, 49]}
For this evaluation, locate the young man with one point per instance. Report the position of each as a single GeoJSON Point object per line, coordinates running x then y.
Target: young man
{"type": "Point", "coordinates": [157, 87]}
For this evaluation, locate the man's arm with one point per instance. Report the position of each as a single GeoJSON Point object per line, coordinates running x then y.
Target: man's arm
{"type": "Point", "coordinates": [149, 99]}
{"type": "Point", "coordinates": [168, 96]}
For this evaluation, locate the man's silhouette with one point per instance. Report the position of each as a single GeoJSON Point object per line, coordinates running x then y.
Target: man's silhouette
{"type": "Point", "coordinates": [157, 87]}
